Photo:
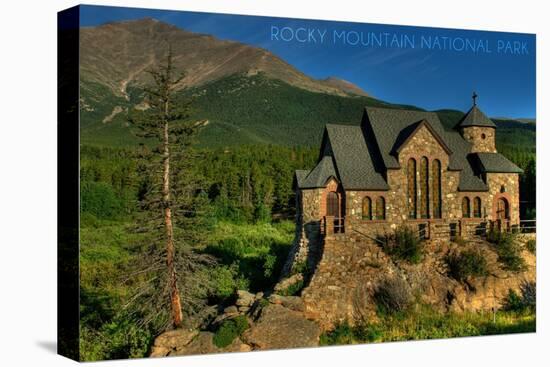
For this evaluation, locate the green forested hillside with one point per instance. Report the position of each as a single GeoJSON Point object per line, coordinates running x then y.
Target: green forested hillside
{"type": "Point", "coordinates": [257, 110]}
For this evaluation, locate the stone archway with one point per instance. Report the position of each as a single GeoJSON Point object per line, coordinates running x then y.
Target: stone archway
{"type": "Point", "coordinates": [333, 204]}
{"type": "Point", "coordinates": [502, 208]}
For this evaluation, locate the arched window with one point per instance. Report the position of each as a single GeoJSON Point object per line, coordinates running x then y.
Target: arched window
{"type": "Point", "coordinates": [380, 208]}
{"type": "Point", "coordinates": [465, 207]}
{"type": "Point", "coordinates": [436, 188]}
{"type": "Point", "coordinates": [366, 212]}
{"type": "Point", "coordinates": [477, 207]}
{"type": "Point", "coordinates": [411, 188]}
{"type": "Point", "coordinates": [424, 189]}
{"type": "Point", "coordinates": [332, 204]}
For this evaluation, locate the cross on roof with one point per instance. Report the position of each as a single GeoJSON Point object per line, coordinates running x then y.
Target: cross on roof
{"type": "Point", "coordinates": [474, 97]}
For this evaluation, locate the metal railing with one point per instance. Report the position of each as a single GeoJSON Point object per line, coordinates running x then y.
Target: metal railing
{"type": "Point", "coordinates": [331, 225]}
{"type": "Point", "coordinates": [527, 226]}
{"type": "Point", "coordinates": [377, 240]}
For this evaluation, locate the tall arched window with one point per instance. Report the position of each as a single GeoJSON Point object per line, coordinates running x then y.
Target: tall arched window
{"type": "Point", "coordinates": [424, 189]}
{"type": "Point", "coordinates": [411, 188]}
{"type": "Point", "coordinates": [366, 208]}
{"type": "Point", "coordinates": [380, 208]}
{"type": "Point", "coordinates": [436, 188]}
{"type": "Point", "coordinates": [465, 207]}
{"type": "Point", "coordinates": [477, 207]}
{"type": "Point", "coordinates": [332, 204]}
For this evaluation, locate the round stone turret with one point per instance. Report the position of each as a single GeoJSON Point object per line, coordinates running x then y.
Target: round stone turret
{"type": "Point", "coordinates": [478, 129]}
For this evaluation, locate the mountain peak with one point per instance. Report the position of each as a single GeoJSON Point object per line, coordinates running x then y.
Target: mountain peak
{"type": "Point", "coordinates": [118, 54]}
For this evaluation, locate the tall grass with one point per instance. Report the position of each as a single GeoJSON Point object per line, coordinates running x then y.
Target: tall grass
{"type": "Point", "coordinates": [426, 323]}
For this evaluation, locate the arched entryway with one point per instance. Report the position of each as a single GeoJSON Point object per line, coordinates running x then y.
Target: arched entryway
{"type": "Point", "coordinates": [502, 209]}
{"type": "Point", "coordinates": [333, 204]}
{"type": "Point", "coordinates": [333, 209]}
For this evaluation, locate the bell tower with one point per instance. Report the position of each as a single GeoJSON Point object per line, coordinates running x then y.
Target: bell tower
{"type": "Point", "coordinates": [478, 129]}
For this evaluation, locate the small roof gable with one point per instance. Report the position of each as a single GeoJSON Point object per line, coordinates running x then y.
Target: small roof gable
{"type": "Point", "coordinates": [475, 117]}
{"type": "Point", "coordinates": [354, 163]}
{"type": "Point", "coordinates": [391, 126]}
{"type": "Point", "coordinates": [318, 176]}
{"type": "Point", "coordinates": [299, 177]}
{"type": "Point", "coordinates": [407, 133]}
{"type": "Point", "coordinates": [495, 163]}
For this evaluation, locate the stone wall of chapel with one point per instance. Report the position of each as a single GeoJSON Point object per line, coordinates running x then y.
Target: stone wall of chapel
{"type": "Point", "coordinates": [505, 185]}
{"type": "Point", "coordinates": [482, 138]}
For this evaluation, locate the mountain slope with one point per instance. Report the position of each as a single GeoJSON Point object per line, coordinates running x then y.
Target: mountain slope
{"type": "Point", "coordinates": [248, 95]}
{"type": "Point", "coordinates": [242, 109]}
{"type": "Point", "coordinates": [117, 55]}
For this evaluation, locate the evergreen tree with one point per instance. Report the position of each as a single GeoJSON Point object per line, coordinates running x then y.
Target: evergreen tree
{"type": "Point", "coordinates": [172, 283]}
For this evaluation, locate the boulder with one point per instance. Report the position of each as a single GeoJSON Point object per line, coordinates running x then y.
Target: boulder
{"type": "Point", "coordinates": [279, 327]}
{"type": "Point", "coordinates": [171, 340]}
{"type": "Point", "coordinates": [292, 302]}
{"type": "Point", "coordinates": [244, 298]}
{"type": "Point", "coordinates": [204, 344]}
{"type": "Point", "coordinates": [231, 310]}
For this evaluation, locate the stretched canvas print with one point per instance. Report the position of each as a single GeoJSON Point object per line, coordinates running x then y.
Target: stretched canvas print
{"type": "Point", "coordinates": [235, 183]}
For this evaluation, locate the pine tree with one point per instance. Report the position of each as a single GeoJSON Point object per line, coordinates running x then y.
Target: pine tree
{"type": "Point", "coordinates": [171, 279]}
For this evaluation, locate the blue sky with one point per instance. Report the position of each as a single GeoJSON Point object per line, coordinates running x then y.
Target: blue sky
{"type": "Point", "coordinates": [430, 75]}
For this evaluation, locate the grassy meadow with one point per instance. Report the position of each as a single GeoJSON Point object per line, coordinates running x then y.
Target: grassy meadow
{"type": "Point", "coordinates": [247, 208]}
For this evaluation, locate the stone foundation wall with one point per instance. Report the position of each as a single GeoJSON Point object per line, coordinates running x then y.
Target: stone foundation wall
{"type": "Point", "coordinates": [307, 238]}
{"type": "Point", "coordinates": [351, 268]}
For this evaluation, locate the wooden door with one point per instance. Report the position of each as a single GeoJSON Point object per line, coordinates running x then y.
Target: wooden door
{"type": "Point", "coordinates": [502, 209]}
{"type": "Point", "coordinates": [333, 205]}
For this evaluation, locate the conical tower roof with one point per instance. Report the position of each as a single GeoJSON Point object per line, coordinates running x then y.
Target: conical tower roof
{"type": "Point", "coordinates": [475, 117]}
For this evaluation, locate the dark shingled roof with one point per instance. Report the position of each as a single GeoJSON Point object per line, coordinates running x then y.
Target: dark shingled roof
{"type": "Point", "coordinates": [495, 163]}
{"type": "Point", "coordinates": [318, 176]}
{"type": "Point", "coordinates": [357, 155]}
{"type": "Point", "coordinates": [475, 117]}
{"type": "Point", "coordinates": [354, 163]}
{"type": "Point", "coordinates": [388, 124]}
{"type": "Point", "coordinates": [300, 176]}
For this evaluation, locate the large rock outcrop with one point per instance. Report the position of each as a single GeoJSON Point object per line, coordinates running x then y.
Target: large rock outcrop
{"type": "Point", "coordinates": [343, 285]}
{"type": "Point", "coordinates": [279, 327]}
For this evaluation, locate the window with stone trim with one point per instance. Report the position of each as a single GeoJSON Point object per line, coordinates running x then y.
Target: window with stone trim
{"type": "Point", "coordinates": [436, 187]}
{"type": "Point", "coordinates": [411, 188]}
{"type": "Point", "coordinates": [366, 210]}
{"type": "Point", "coordinates": [380, 208]}
{"type": "Point", "coordinates": [477, 207]}
{"type": "Point", "coordinates": [424, 188]}
{"type": "Point", "coordinates": [465, 207]}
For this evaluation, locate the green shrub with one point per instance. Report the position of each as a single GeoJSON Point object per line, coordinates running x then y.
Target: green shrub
{"type": "Point", "coordinates": [522, 303]}
{"type": "Point", "coordinates": [529, 295]}
{"type": "Point", "coordinates": [342, 334]}
{"type": "Point", "coordinates": [229, 330]}
{"type": "Point", "coordinates": [393, 295]}
{"type": "Point", "coordinates": [468, 263]}
{"type": "Point", "coordinates": [531, 246]}
{"type": "Point", "coordinates": [508, 250]}
{"type": "Point", "coordinates": [513, 301]}
{"type": "Point", "coordinates": [345, 334]}
{"type": "Point", "coordinates": [403, 244]}
{"type": "Point", "coordinates": [293, 289]}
